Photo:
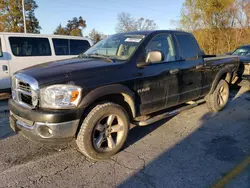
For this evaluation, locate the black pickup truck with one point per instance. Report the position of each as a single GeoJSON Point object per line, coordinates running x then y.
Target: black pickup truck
{"type": "Point", "coordinates": [124, 78]}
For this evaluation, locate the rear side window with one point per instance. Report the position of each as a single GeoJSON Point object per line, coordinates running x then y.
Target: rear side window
{"type": "Point", "coordinates": [30, 46]}
{"type": "Point", "coordinates": [61, 46]}
{"type": "Point", "coordinates": [78, 46]}
{"type": "Point", "coordinates": [188, 46]}
{"type": "Point", "coordinates": [70, 46]}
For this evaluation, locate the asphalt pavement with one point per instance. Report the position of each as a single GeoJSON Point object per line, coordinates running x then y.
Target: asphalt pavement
{"type": "Point", "coordinates": [195, 148]}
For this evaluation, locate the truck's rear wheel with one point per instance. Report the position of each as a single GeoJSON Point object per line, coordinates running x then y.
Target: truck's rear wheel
{"type": "Point", "coordinates": [104, 131]}
{"type": "Point", "coordinates": [219, 98]}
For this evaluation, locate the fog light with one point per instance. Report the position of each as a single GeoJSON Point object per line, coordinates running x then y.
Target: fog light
{"type": "Point", "coordinates": [44, 131]}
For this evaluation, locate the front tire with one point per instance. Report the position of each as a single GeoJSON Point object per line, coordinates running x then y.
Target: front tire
{"type": "Point", "coordinates": [103, 132]}
{"type": "Point", "coordinates": [219, 98]}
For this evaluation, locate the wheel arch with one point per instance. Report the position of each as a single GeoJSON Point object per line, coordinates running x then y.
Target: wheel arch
{"type": "Point", "coordinates": [226, 74]}
{"type": "Point", "coordinates": [116, 93]}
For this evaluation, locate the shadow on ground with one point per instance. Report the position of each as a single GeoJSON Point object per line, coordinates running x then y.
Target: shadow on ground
{"type": "Point", "coordinates": [205, 155]}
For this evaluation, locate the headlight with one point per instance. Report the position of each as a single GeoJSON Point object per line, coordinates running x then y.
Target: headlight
{"type": "Point", "coordinates": [60, 96]}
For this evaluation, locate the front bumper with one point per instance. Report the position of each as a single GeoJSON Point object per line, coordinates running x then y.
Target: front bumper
{"type": "Point", "coordinates": [55, 127]}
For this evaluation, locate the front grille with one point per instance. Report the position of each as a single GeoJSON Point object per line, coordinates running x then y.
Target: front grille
{"type": "Point", "coordinates": [24, 86]}
{"type": "Point", "coordinates": [26, 99]}
{"type": "Point", "coordinates": [25, 90]}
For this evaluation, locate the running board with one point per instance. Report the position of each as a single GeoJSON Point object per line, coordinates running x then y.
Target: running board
{"type": "Point", "coordinates": [169, 114]}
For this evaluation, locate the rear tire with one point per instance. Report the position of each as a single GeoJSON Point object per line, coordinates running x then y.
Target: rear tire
{"type": "Point", "coordinates": [103, 132]}
{"type": "Point", "coordinates": [219, 98]}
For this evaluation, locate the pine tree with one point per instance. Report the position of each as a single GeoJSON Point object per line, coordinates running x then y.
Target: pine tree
{"type": "Point", "coordinates": [60, 30]}
{"type": "Point", "coordinates": [74, 27]}
{"type": "Point", "coordinates": [11, 17]}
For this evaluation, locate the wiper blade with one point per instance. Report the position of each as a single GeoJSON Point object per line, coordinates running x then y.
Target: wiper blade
{"type": "Point", "coordinates": [96, 55]}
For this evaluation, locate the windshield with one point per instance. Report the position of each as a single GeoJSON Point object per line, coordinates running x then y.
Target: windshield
{"type": "Point", "coordinates": [120, 46]}
{"type": "Point", "coordinates": [243, 51]}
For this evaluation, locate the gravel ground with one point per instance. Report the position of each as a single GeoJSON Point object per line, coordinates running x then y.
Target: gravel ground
{"type": "Point", "coordinates": [196, 148]}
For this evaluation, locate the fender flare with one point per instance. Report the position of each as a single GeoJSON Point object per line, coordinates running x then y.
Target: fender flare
{"type": "Point", "coordinates": [129, 96]}
{"type": "Point", "coordinates": [225, 70]}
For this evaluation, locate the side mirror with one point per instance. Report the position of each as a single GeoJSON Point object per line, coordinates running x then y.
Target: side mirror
{"type": "Point", "coordinates": [154, 57]}
{"type": "Point", "coordinates": [151, 57]}
{"type": "Point", "coordinates": [228, 53]}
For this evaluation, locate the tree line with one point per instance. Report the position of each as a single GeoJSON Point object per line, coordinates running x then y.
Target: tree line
{"type": "Point", "coordinates": [219, 25]}
{"type": "Point", "coordinates": [11, 20]}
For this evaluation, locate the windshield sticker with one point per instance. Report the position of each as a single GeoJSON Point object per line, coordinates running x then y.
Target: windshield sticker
{"type": "Point", "coordinates": [133, 40]}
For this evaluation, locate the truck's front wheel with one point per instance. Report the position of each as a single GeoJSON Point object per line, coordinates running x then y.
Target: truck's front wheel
{"type": "Point", "coordinates": [219, 98]}
{"type": "Point", "coordinates": [104, 131]}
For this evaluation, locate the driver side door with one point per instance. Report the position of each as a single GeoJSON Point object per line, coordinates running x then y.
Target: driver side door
{"type": "Point", "coordinates": [156, 86]}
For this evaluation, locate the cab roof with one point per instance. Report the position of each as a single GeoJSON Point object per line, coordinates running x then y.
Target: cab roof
{"type": "Point", "coordinates": [147, 32]}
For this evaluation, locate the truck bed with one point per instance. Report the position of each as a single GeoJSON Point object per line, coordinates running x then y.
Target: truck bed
{"type": "Point", "coordinates": [213, 60]}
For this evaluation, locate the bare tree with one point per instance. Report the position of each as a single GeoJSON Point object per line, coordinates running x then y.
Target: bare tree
{"type": "Point", "coordinates": [128, 23]}
{"type": "Point", "coordinates": [95, 36]}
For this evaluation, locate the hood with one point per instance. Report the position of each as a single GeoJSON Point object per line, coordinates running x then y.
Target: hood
{"type": "Point", "coordinates": [63, 70]}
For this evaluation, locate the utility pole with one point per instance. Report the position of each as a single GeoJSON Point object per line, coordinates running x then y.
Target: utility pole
{"type": "Point", "coordinates": [24, 18]}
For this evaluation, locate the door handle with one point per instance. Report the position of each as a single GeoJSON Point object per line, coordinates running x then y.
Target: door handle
{"type": "Point", "coordinates": [4, 68]}
{"type": "Point", "coordinates": [174, 71]}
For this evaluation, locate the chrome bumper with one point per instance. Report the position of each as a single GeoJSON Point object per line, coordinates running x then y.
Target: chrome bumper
{"type": "Point", "coordinates": [44, 132]}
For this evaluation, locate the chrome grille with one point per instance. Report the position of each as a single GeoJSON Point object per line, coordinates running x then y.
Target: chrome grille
{"type": "Point", "coordinates": [25, 90]}
{"type": "Point", "coordinates": [26, 98]}
{"type": "Point", "coordinates": [24, 86]}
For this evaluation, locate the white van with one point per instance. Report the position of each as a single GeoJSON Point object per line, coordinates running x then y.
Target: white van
{"type": "Point", "coordinates": [20, 50]}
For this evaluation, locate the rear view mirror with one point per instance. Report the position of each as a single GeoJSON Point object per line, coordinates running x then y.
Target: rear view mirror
{"type": "Point", "coordinates": [154, 57]}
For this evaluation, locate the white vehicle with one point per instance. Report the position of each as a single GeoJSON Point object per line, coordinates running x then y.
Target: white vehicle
{"type": "Point", "coordinates": [20, 50]}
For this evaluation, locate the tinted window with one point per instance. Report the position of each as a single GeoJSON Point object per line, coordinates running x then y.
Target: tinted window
{"type": "Point", "coordinates": [164, 44]}
{"type": "Point", "coordinates": [78, 46]}
{"type": "Point", "coordinates": [242, 51]}
{"type": "Point", "coordinates": [61, 46]}
{"type": "Point", "coordinates": [188, 46]}
{"type": "Point", "coordinates": [29, 46]}
{"type": "Point", "coordinates": [70, 46]}
{"type": "Point", "coordinates": [1, 50]}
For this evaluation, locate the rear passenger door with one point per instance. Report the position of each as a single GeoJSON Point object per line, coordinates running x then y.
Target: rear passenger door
{"type": "Point", "coordinates": [191, 68]}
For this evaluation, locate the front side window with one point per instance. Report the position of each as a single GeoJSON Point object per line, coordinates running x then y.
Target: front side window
{"type": "Point", "coordinates": [163, 43]}
{"type": "Point", "coordinates": [242, 51]}
{"type": "Point", "coordinates": [29, 46]}
{"type": "Point", "coordinates": [120, 46]}
{"type": "Point", "coordinates": [188, 46]}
